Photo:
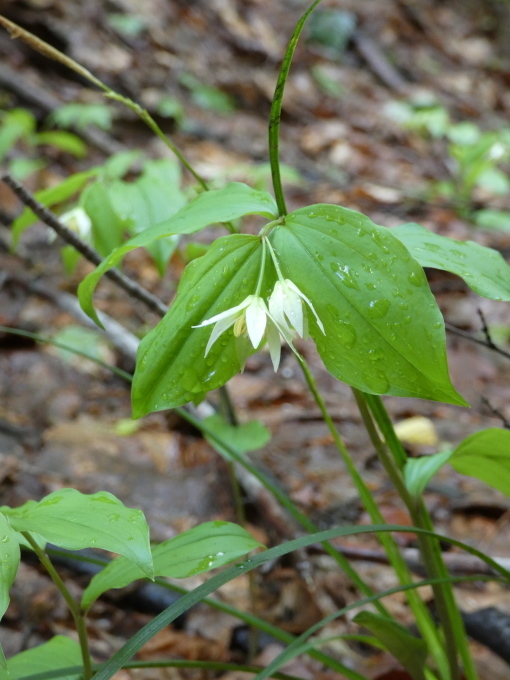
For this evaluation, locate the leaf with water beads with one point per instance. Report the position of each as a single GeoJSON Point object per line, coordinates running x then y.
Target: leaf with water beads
{"type": "Point", "coordinates": [205, 547]}
{"type": "Point", "coordinates": [74, 520]}
{"type": "Point", "coordinates": [384, 333]}
{"type": "Point", "coordinates": [483, 269]}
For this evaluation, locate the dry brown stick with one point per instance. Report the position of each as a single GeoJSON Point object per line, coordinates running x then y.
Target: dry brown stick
{"type": "Point", "coordinates": [467, 336]}
{"type": "Point", "coordinates": [50, 219]}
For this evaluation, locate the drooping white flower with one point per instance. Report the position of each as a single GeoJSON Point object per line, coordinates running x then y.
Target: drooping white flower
{"type": "Point", "coordinates": [286, 306]}
{"type": "Point", "coordinates": [250, 318]}
{"type": "Point", "coordinates": [78, 221]}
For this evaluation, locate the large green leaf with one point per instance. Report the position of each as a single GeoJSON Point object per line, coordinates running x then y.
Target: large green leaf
{"type": "Point", "coordinates": [171, 368]}
{"type": "Point", "coordinates": [9, 561]}
{"type": "Point", "coordinates": [222, 205]}
{"type": "Point", "coordinates": [51, 196]}
{"type": "Point", "coordinates": [205, 547]}
{"type": "Point", "coordinates": [384, 331]}
{"type": "Point", "coordinates": [409, 650]}
{"type": "Point", "coordinates": [74, 521]}
{"type": "Point", "coordinates": [483, 269]}
{"type": "Point", "coordinates": [486, 456]}
{"type": "Point", "coordinates": [58, 653]}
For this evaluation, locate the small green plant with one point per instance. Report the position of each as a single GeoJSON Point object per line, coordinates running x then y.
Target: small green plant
{"type": "Point", "coordinates": [81, 116]}
{"type": "Point", "coordinates": [477, 159]}
{"type": "Point", "coordinates": [18, 129]}
{"type": "Point", "coordinates": [324, 272]}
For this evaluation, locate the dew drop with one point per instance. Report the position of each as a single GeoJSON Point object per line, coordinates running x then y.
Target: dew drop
{"type": "Point", "coordinates": [377, 309]}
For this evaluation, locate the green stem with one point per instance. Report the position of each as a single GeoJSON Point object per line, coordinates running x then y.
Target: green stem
{"type": "Point", "coordinates": [422, 615]}
{"type": "Point", "coordinates": [286, 502]}
{"type": "Point", "coordinates": [74, 608]}
{"type": "Point", "coordinates": [391, 454]}
{"type": "Point", "coordinates": [276, 112]}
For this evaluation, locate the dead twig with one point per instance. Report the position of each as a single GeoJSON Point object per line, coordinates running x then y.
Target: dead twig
{"type": "Point", "coordinates": [51, 220]}
{"type": "Point", "coordinates": [467, 336]}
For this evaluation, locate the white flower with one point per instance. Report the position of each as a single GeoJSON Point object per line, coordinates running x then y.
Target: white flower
{"type": "Point", "coordinates": [286, 307]}
{"type": "Point", "coordinates": [78, 221]}
{"type": "Point", "coordinates": [250, 319]}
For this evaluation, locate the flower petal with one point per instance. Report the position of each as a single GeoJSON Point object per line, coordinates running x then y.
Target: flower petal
{"type": "Point", "coordinates": [221, 326]}
{"type": "Point", "coordinates": [232, 312]}
{"type": "Point", "coordinates": [274, 343]}
{"type": "Point", "coordinates": [256, 319]}
{"type": "Point", "coordinates": [277, 307]}
{"type": "Point", "coordinates": [293, 306]}
{"type": "Point", "coordinates": [308, 302]}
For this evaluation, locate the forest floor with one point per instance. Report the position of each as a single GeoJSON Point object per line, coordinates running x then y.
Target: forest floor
{"type": "Point", "coordinates": [62, 420]}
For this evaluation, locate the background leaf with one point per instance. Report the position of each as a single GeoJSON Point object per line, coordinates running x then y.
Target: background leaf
{"type": "Point", "coordinates": [419, 471]}
{"type": "Point", "coordinates": [483, 269]}
{"type": "Point", "coordinates": [384, 331]}
{"type": "Point", "coordinates": [50, 197]}
{"type": "Point", "coordinates": [222, 205]}
{"type": "Point", "coordinates": [107, 227]}
{"type": "Point", "coordinates": [205, 547]}
{"type": "Point", "coordinates": [486, 456]}
{"type": "Point", "coordinates": [9, 561]}
{"type": "Point", "coordinates": [409, 650]}
{"type": "Point", "coordinates": [171, 368]}
{"type": "Point", "coordinates": [245, 437]}
{"type": "Point", "coordinates": [59, 652]}
{"type": "Point", "coordinates": [153, 198]}
{"type": "Point", "coordinates": [74, 521]}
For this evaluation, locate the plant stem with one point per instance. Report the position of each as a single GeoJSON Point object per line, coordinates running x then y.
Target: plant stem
{"type": "Point", "coordinates": [286, 502]}
{"type": "Point", "coordinates": [276, 112]}
{"type": "Point", "coordinates": [422, 615]}
{"type": "Point", "coordinates": [391, 453]}
{"type": "Point", "coordinates": [74, 608]}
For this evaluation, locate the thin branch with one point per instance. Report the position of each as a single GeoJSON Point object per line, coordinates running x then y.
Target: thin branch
{"type": "Point", "coordinates": [467, 336]}
{"type": "Point", "coordinates": [50, 219]}
{"type": "Point", "coordinates": [495, 412]}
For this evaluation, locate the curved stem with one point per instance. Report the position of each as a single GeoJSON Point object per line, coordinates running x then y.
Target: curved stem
{"type": "Point", "coordinates": [276, 112]}
{"type": "Point", "coordinates": [391, 453]}
{"type": "Point", "coordinates": [74, 607]}
{"type": "Point", "coordinates": [422, 615]}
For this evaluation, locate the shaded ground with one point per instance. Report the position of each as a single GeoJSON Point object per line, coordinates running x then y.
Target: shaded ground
{"type": "Point", "coordinates": [59, 420]}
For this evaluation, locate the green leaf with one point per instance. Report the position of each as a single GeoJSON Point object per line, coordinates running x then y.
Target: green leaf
{"type": "Point", "coordinates": [171, 368]}
{"type": "Point", "coordinates": [107, 227]}
{"type": "Point", "coordinates": [75, 521]}
{"type": "Point", "coordinates": [207, 546]}
{"type": "Point", "coordinates": [384, 331]}
{"type": "Point", "coordinates": [246, 437]}
{"type": "Point", "coordinates": [493, 219]}
{"type": "Point", "coordinates": [50, 197]}
{"type": "Point", "coordinates": [222, 205]}
{"type": "Point", "coordinates": [486, 456]}
{"type": "Point", "coordinates": [419, 471]}
{"type": "Point", "coordinates": [9, 561]}
{"type": "Point", "coordinates": [82, 115]}
{"type": "Point", "coordinates": [118, 165]}
{"type": "Point", "coordinates": [15, 124]}
{"type": "Point", "coordinates": [494, 180]}
{"type": "Point", "coordinates": [60, 652]}
{"type": "Point", "coordinates": [409, 650]}
{"type": "Point", "coordinates": [65, 141]}
{"type": "Point", "coordinates": [153, 198]}
{"type": "Point", "coordinates": [483, 269]}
